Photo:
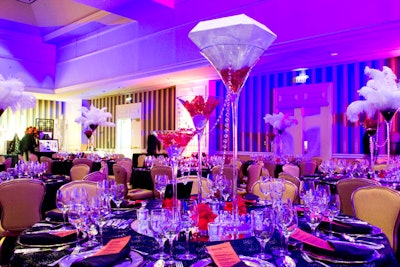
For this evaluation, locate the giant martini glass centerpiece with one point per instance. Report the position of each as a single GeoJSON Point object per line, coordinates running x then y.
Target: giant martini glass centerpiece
{"type": "Point", "coordinates": [232, 45]}
{"type": "Point", "coordinates": [200, 109]}
{"type": "Point", "coordinates": [175, 142]}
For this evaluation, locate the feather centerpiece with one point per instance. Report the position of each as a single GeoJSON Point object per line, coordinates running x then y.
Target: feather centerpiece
{"type": "Point", "coordinates": [93, 117]}
{"type": "Point", "coordinates": [12, 95]}
{"type": "Point", "coordinates": [381, 93]}
{"type": "Point", "coordinates": [280, 121]}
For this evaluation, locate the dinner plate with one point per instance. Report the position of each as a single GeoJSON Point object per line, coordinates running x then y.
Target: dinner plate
{"type": "Point", "coordinates": [333, 259]}
{"type": "Point", "coordinates": [82, 237]}
{"type": "Point", "coordinates": [249, 261]}
{"type": "Point", "coordinates": [134, 261]}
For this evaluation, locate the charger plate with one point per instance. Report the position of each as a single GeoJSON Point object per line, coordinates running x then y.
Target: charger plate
{"type": "Point", "coordinates": [134, 261]}
{"type": "Point", "coordinates": [333, 259]}
{"type": "Point", "coordinates": [249, 261]}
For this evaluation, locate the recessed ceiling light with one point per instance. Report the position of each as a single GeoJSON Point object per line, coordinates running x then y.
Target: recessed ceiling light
{"type": "Point", "coordinates": [334, 54]}
{"type": "Point", "coordinates": [27, 1]}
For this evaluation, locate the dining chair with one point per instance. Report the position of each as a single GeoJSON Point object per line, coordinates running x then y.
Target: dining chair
{"type": "Point", "coordinates": [120, 176]}
{"type": "Point", "coordinates": [33, 157]}
{"type": "Point", "coordinates": [127, 164]}
{"type": "Point", "coordinates": [379, 206]}
{"type": "Point", "coordinates": [270, 166]}
{"type": "Point", "coordinates": [307, 167]}
{"type": "Point", "coordinates": [291, 169]}
{"type": "Point", "coordinates": [227, 170]}
{"type": "Point", "coordinates": [295, 180]}
{"type": "Point", "coordinates": [345, 188]}
{"type": "Point", "coordinates": [318, 160]}
{"type": "Point", "coordinates": [96, 176]}
{"type": "Point", "coordinates": [161, 169]}
{"type": "Point", "coordinates": [86, 161]}
{"type": "Point", "coordinates": [2, 159]}
{"type": "Point", "coordinates": [253, 175]}
{"type": "Point", "coordinates": [7, 163]}
{"type": "Point", "coordinates": [49, 163]}
{"type": "Point", "coordinates": [141, 160]}
{"type": "Point", "coordinates": [195, 185]}
{"type": "Point", "coordinates": [290, 192]}
{"type": "Point", "coordinates": [21, 201]}
{"type": "Point", "coordinates": [104, 169]}
{"type": "Point", "coordinates": [79, 171]}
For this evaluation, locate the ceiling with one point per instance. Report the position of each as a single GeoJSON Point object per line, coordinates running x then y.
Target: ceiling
{"type": "Point", "coordinates": [310, 33]}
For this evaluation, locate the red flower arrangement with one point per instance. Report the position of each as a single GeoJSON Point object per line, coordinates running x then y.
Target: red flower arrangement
{"type": "Point", "coordinates": [168, 203]}
{"type": "Point", "coordinates": [206, 215]}
{"type": "Point", "coordinates": [198, 106]}
{"type": "Point", "coordinates": [241, 206]}
{"type": "Point", "coordinates": [180, 137]}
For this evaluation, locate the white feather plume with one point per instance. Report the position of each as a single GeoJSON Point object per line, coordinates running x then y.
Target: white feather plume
{"type": "Point", "coordinates": [280, 121]}
{"type": "Point", "coordinates": [12, 95]}
{"type": "Point", "coordinates": [94, 116]}
{"type": "Point", "coordinates": [381, 93]}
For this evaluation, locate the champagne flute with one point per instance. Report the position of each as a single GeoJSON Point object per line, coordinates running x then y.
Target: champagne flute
{"type": "Point", "coordinates": [62, 203]}
{"type": "Point", "coordinates": [171, 229]}
{"type": "Point", "coordinates": [263, 229]}
{"type": "Point", "coordinates": [189, 220]}
{"type": "Point", "coordinates": [157, 220]}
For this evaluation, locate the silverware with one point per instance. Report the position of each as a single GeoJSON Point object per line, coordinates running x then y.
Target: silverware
{"type": "Point", "coordinates": [179, 264]}
{"type": "Point", "coordinates": [140, 252]}
{"type": "Point", "coordinates": [309, 260]}
{"type": "Point", "coordinates": [54, 263]}
{"type": "Point", "coordinates": [353, 240]}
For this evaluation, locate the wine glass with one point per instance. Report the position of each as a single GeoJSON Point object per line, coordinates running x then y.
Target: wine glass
{"type": "Point", "coordinates": [118, 191]}
{"type": "Point", "coordinates": [76, 217]}
{"type": "Point", "coordinates": [211, 187]}
{"type": "Point", "coordinates": [171, 229]}
{"type": "Point", "coordinates": [265, 188]}
{"type": "Point", "coordinates": [313, 213]}
{"type": "Point", "coordinates": [226, 192]}
{"type": "Point", "coordinates": [161, 181]}
{"type": "Point", "coordinates": [157, 220]}
{"type": "Point", "coordinates": [332, 210]}
{"type": "Point", "coordinates": [307, 191]}
{"type": "Point", "coordinates": [62, 203]}
{"type": "Point", "coordinates": [220, 182]}
{"type": "Point", "coordinates": [100, 213]}
{"type": "Point", "coordinates": [287, 223]}
{"type": "Point", "coordinates": [189, 220]}
{"type": "Point", "coordinates": [263, 229]}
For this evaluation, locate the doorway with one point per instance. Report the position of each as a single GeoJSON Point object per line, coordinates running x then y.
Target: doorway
{"type": "Point", "coordinates": [129, 129]}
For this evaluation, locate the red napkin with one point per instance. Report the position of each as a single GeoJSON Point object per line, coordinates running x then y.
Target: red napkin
{"type": "Point", "coordinates": [312, 240]}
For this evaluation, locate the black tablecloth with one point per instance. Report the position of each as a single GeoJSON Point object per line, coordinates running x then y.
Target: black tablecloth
{"type": "Point", "coordinates": [63, 167]}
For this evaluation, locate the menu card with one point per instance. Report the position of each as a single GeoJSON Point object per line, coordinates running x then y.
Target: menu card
{"type": "Point", "coordinates": [312, 240]}
{"type": "Point", "coordinates": [223, 254]}
{"type": "Point", "coordinates": [114, 246]}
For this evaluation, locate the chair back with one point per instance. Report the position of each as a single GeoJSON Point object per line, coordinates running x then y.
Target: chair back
{"type": "Point", "coordinates": [49, 163]}
{"type": "Point", "coordinates": [161, 169]}
{"type": "Point", "coordinates": [195, 186]}
{"type": "Point", "coordinates": [318, 160]}
{"type": "Point", "coordinates": [7, 163]}
{"type": "Point", "coordinates": [345, 188]}
{"type": "Point", "coordinates": [86, 161]}
{"type": "Point", "coordinates": [253, 175]}
{"type": "Point", "coordinates": [120, 176]}
{"type": "Point", "coordinates": [291, 169]}
{"type": "Point", "coordinates": [91, 187]}
{"type": "Point", "coordinates": [270, 166]}
{"type": "Point", "coordinates": [141, 160]}
{"type": "Point", "coordinates": [96, 176]}
{"type": "Point", "coordinates": [290, 192]}
{"type": "Point", "coordinates": [21, 201]}
{"type": "Point", "coordinates": [379, 206]}
{"type": "Point", "coordinates": [295, 180]}
{"type": "Point", "coordinates": [79, 171]}
{"type": "Point", "coordinates": [307, 167]}
{"type": "Point", "coordinates": [104, 169]}
{"type": "Point", "coordinates": [127, 164]}
{"type": "Point", "coordinates": [227, 170]}
{"type": "Point", "coordinates": [33, 157]}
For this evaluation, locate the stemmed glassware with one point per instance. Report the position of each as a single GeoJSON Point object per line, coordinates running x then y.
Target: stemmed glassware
{"type": "Point", "coordinates": [171, 229]}
{"type": "Point", "coordinates": [76, 216]}
{"type": "Point", "coordinates": [313, 213]}
{"type": "Point", "coordinates": [189, 220]}
{"type": "Point", "coordinates": [62, 203]}
{"type": "Point", "coordinates": [100, 213]}
{"type": "Point", "coordinates": [371, 127]}
{"type": "Point", "coordinates": [307, 191]}
{"type": "Point", "coordinates": [263, 229]}
{"type": "Point", "coordinates": [158, 219]}
{"type": "Point", "coordinates": [174, 142]}
{"type": "Point", "coordinates": [220, 183]}
{"type": "Point", "coordinates": [118, 192]}
{"type": "Point", "coordinates": [211, 187]}
{"type": "Point", "coordinates": [332, 210]}
{"type": "Point", "coordinates": [287, 222]}
{"type": "Point", "coordinates": [265, 188]}
{"type": "Point", "coordinates": [200, 109]}
{"type": "Point", "coordinates": [161, 181]}
{"type": "Point", "coordinates": [233, 54]}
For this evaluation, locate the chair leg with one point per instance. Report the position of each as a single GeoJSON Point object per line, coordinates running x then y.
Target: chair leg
{"type": "Point", "coordinates": [7, 246]}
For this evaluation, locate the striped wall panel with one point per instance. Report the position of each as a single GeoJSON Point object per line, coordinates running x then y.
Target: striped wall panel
{"type": "Point", "coordinates": [158, 113]}
{"type": "Point", "coordinates": [256, 101]}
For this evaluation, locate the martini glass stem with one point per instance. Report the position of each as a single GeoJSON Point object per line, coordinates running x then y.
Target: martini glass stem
{"type": "Point", "coordinates": [234, 104]}
{"type": "Point", "coordinates": [371, 153]}
{"type": "Point", "coordinates": [199, 166]}
{"type": "Point", "coordinates": [388, 142]}
{"type": "Point", "coordinates": [174, 166]}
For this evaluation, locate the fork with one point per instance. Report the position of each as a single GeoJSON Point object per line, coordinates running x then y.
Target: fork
{"type": "Point", "coordinates": [179, 264]}
{"type": "Point", "coordinates": [309, 260]}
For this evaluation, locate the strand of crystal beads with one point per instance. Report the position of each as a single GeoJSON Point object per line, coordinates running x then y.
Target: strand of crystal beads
{"type": "Point", "coordinates": [377, 137]}
{"type": "Point", "coordinates": [225, 139]}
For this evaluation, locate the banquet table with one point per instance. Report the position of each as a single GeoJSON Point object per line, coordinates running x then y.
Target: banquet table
{"type": "Point", "coordinates": [63, 167]}
{"type": "Point", "coordinates": [145, 246]}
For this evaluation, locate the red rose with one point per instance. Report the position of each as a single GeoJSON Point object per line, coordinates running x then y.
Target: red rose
{"type": "Point", "coordinates": [241, 206]}
{"type": "Point", "coordinates": [206, 215]}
